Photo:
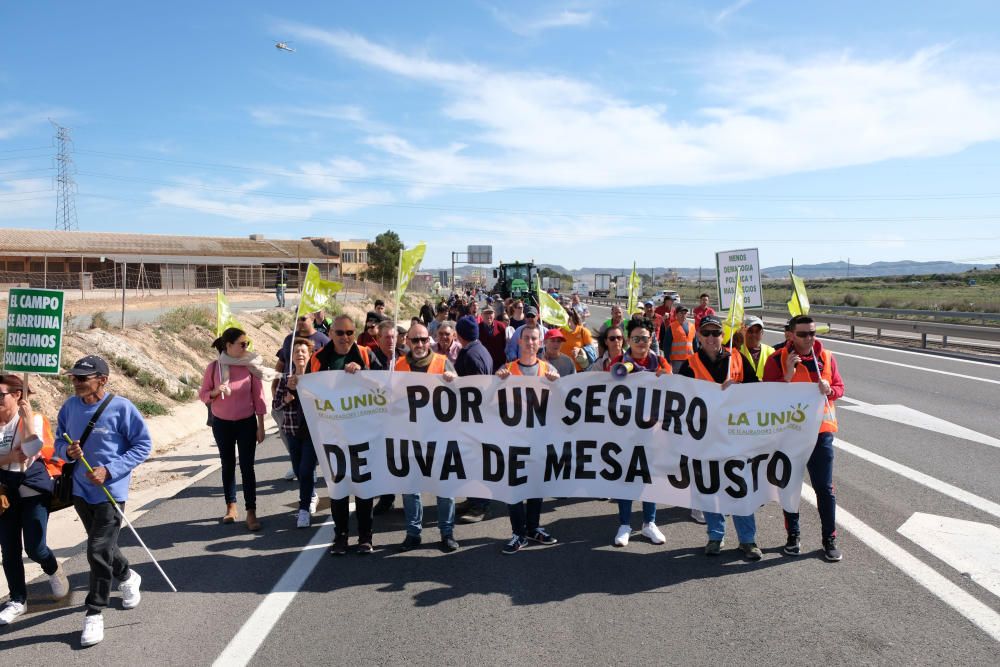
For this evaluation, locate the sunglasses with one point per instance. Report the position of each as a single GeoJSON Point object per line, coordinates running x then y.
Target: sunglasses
{"type": "Point", "coordinates": [82, 378]}
{"type": "Point", "coordinates": [529, 316]}
{"type": "Point", "coordinates": [640, 339]}
{"type": "Point", "coordinates": [615, 338]}
{"type": "Point", "coordinates": [805, 334]}
{"type": "Point", "coordinates": [342, 332]}
{"type": "Point", "coordinates": [714, 333]}
{"type": "Point", "coordinates": [244, 344]}
{"type": "Point", "coordinates": [303, 319]}
{"type": "Point", "coordinates": [370, 325]}
{"type": "Point", "coordinates": [419, 340]}
{"type": "Point", "coordinates": [5, 394]}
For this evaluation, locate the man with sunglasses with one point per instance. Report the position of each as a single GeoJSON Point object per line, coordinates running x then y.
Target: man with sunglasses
{"type": "Point", "coordinates": [420, 359]}
{"type": "Point", "coordinates": [714, 363]}
{"type": "Point", "coordinates": [344, 354]}
{"type": "Point", "coordinates": [803, 359]}
{"type": "Point", "coordinates": [117, 443]}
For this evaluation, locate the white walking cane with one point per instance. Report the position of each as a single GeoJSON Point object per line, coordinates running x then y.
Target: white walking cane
{"type": "Point", "coordinates": [127, 522]}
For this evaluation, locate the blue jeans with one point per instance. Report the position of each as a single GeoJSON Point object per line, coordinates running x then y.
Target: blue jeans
{"type": "Point", "coordinates": [23, 525]}
{"type": "Point", "coordinates": [279, 293]}
{"type": "Point", "coordinates": [820, 467]}
{"type": "Point", "coordinates": [625, 512]}
{"type": "Point", "coordinates": [413, 510]}
{"type": "Point", "coordinates": [303, 455]}
{"type": "Point", "coordinates": [746, 527]}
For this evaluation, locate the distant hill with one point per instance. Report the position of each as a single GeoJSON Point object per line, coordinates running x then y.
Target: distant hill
{"type": "Point", "coordinates": [875, 269]}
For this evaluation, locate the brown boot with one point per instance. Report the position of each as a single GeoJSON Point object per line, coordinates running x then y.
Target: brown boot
{"type": "Point", "coordinates": [253, 524]}
{"type": "Point", "coordinates": [230, 513]}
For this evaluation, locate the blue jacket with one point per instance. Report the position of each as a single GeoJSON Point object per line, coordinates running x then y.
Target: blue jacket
{"type": "Point", "coordinates": [474, 359]}
{"type": "Point", "coordinates": [120, 441]}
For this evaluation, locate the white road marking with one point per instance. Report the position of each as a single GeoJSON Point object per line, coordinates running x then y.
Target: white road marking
{"type": "Point", "coordinates": [945, 488]}
{"type": "Point", "coordinates": [837, 341]}
{"type": "Point", "coordinates": [253, 633]}
{"type": "Point", "coordinates": [910, 417]}
{"type": "Point", "coordinates": [917, 368]}
{"type": "Point", "coordinates": [968, 546]}
{"type": "Point", "coordinates": [937, 584]}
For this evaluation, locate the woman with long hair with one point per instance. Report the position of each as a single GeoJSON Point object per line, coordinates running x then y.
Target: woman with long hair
{"type": "Point", "coordinates": [293, 425]}
{"type": "Point", "coordinates": [233, 387]}
{"type": "Point", "coordinates": [26, 443]}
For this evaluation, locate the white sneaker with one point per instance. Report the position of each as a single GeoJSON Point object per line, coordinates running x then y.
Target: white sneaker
{"type": "Point", "coordinates": [621, 538]}
{"type": "Point", "coordinates": [650, 531]}
{"type": "Point", "coordinates": [290, 475]}
{"type": "Point", "coordinates": [698, 516]}
{"type": "Point", "coordinates": [313, 503]}
{"type": "Point", "coordinates": [130, 591]}
{"type": "Point", "coordinates": [93, 630]}
{"type": "Point", "coordinates": [303, 519]}
{"type": "Point", "coordinates": [12, 610]}
{"type": "Point", "coordinates": [59, 584]}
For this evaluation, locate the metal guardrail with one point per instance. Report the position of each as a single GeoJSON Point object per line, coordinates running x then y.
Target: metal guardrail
{"type": "Point", "coordinates": [891, 313]}
{"type": "Point", "coordinates": [923, 328]}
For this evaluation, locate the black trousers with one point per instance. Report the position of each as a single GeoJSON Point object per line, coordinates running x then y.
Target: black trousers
{"type": "Point", "coordinates": [231, 436]}
{"type": "Point", "coordinates": [362, 510]}
{"type": "Point", "coordinates": [102, 523]}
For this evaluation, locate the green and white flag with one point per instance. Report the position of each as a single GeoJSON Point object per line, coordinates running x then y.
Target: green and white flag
{"type": "Point", "coordinates": [409, 262]}
{"type": "Point", "coordinates": [734, 319]}
{"type": "Point", "coordinates": [550, 310]}
{"type": "Point", "coordinates": [317, 293]}
{"type": "Point", "coordinates": [634, 288]}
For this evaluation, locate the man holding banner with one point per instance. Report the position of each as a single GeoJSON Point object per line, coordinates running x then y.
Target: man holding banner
{"type": "Point", "coordinates": [714, 363]}
{"type": "Point", "coordinates": [803, 359]}
{"type": "Point", "coordinates": [420, 359]}
{"type": "Point", "coordinates": [526, 515]}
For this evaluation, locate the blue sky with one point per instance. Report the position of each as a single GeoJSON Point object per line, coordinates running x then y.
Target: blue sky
{"type": "Point", "coordinates": [580, 133]}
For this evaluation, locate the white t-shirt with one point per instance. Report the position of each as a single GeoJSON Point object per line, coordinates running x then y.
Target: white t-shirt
{"type": "Point", "coordinates": [10, 437]}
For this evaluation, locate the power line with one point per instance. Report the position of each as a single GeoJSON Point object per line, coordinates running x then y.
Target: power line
{"type": "Point", "coordinates": [550, 189]}
{"type": "Point", "coordinates": [465, 226]}
{"type": "Point", "coordinates": [541, 213]}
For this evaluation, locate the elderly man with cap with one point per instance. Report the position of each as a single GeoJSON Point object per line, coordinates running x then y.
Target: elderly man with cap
{"type": "Point", "coordinates": [110, 433]}
{"type": "Point", "coordinates": [713, 363]}
{"type": "Point", "coordinates": [754, 351]}
{"type": "Point", "coordinates": [531, 321]}
{"type": "Point", "coordinates": [493, 336]}
{"type": "Point", "coordinates": [552, 353]}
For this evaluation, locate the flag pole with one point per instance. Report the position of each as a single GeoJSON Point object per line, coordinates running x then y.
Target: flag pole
{"type": "Point", "coordinates": [732, 325]}
{"type": "Point", "coordinates": [399, 275]}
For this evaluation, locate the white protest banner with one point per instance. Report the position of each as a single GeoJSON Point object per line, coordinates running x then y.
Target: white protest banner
{"type": "Point", "coordinates": [746, 262]}
{"type": "Point", "coordinates": [670, 439]}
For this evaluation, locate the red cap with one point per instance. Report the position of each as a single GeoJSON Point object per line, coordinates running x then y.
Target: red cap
{"type": "Point", "coordinates": [554, 332]}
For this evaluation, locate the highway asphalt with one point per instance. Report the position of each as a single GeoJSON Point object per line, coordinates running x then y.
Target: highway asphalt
{"type": "Point", "coordinates": [890, 601]}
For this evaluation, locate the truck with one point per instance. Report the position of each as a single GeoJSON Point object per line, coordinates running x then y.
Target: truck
{"type": "Point", "coordinates": [518, 280]}
{"type": "Point", "coordinates": [551, 283]}
{"type": "Point", "coordinates": [602, 285]}
{"type": "Point", "coordinates": [621, 287]}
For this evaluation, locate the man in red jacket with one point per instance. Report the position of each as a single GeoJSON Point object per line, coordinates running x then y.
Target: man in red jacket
{"type": "Point", "coordinates": [803, 359]}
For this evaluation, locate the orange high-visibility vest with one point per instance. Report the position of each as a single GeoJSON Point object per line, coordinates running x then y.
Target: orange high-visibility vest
{"type": "Point", "coordinates": [52, 465]}
{"type": "Point", "coordinates": [314, 363]}
{"type": "Point", "coordinates": [515, 369]}
{"type": "Point", "coordinates": [701, 372]}
{"type": "Point", "coordinates": [682, 346]}
{"type": "Point", "coordinates": [829, 424]}
{"type": "Point", "coordinates": [437, 366]}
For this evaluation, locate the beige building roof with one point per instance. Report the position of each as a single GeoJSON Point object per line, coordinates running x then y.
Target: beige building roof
{"type": "Point", "coordinates": [160, 247]}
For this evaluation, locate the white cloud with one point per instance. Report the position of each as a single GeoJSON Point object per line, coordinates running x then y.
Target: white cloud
{"type": "Point", "coordinates": [531, 26]}
{"type": "Point", "coordinates": [289, 115]}
{"type": "Point", "coordinates": [769, 116]}
{"type": "Point", "coordinates": [731, 10]}
{"type": "Point", "coordinates": [26, 198]}
{"type": "Point", "coordinates": [17, 119]}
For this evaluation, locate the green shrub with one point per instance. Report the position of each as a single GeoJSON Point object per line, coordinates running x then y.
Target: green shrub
{"type": "Point", "coordinates": [150, 408]}
{"type": "Point", "coordinates": [99, 321]}
{"type": "Point", "coordinates": [127, 367]}
{"type": "Point", "coordinates": [147, 379]}
{"type": "Point", "coordinates": [183, 395]}
{"type": "Point", "coordinates": [178, 319]}
{"type": "Point", "coordinates": [852, 299]}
